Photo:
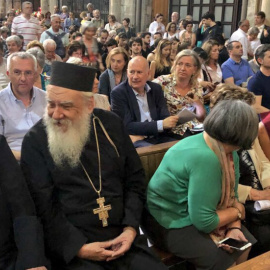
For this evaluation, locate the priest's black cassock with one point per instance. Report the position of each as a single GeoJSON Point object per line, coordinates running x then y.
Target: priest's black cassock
{"type": "Point", "coordinates": [65, 198]}
{"type": "Point", "coordinates": [21, 236]}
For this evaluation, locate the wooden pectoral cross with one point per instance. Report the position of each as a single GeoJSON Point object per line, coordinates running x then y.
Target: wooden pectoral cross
{"type": "Point", "coordinates": [102, 211]}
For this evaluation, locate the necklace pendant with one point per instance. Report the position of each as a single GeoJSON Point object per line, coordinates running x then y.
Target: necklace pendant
{"type": "Point", "coordinates": [102, 211]}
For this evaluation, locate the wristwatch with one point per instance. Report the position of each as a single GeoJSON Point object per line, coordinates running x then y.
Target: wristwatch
{"type": "Point", "coordinates": [239, 214]}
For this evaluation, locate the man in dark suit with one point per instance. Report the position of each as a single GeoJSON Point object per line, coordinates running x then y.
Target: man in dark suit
{"type": "Point", "coordinates": [142, 106]}
{"type": "Point", "coordinates": [264, 34]}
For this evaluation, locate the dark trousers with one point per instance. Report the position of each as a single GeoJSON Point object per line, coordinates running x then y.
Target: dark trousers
{"type": "Point", "coordinates": [137, 258]}
{"type": "Point", "coordinates": [190, 244]}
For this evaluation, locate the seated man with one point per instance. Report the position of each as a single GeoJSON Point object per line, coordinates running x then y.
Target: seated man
{"type": "Point", "coordinates": [236, 70]}
{"type": "Point", "coordinates": [259, 83]}
{"type": "Point", "coordinates": [135, 47]}
{"type": "Point", "coordinates": [142, 106]}
{"type": "Point", "coordinates": [21, 238]}
{"type": "Point", "coordinates": [21, 103]}
{"type": "Point", "coordinates": [50, 56]}
{"type": "Point", "coordinates": [86, 179]}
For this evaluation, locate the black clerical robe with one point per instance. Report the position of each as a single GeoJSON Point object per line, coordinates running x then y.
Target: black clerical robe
{"type": "Point", "coordinates": [21, 236]}
{"type": "Point", "coordinates": [64, 197]}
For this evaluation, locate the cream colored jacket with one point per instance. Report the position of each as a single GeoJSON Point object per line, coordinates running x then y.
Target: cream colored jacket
{"type": "Point", "coordinates": [262, 167]}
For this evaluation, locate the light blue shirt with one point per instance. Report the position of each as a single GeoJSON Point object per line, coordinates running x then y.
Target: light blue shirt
{"type": "Point", "coordinates": [144, 108]}
{"type": "Point", "coordinates": [16, 119]}
{"type": "Point", "coordinates": [65, 38]}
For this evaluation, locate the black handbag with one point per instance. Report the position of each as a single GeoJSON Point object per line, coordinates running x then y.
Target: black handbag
{"type": "Point", "coordinates": [257, 217]}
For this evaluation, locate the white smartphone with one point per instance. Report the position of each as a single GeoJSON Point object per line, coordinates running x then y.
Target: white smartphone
{"type": "Point", "coordinates": [236, 244]}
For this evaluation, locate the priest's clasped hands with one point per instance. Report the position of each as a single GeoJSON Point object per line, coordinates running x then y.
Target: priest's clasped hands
{"type": "Point", "coordinates": [109, 250]}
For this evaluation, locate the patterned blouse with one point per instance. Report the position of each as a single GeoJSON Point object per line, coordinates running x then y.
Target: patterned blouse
{"type": "Point", "coordinates": [176, 102]}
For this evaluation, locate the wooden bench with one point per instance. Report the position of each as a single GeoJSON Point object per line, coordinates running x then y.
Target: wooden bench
{"type": "Point", "coordinates": [151, 157]}
{"type": "Point", "coordinates": [261, 262]}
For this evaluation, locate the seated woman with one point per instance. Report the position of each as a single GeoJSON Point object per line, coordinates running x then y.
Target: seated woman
{"type": "Point", "coordinates": [211, 66]}
{"type": "Point", "coordinates": [129, 31]}
{"type": "Point", "coordinates": [192, 199]}
{"type": "Point", "coordinates": [92, 55]}
{"type": "Point", "coordinates": [162, 61]}
{"type": "Point", "coordinates": [254, 181]}
{"type": "Point", "coordinates": [264, 134]}
{"type": "Point", "coordinates": [14, 44]}
{"type": "Point", "coordinates": [116, 72]}
{"type": "Point", "coordinates": [171, 31]}
{"type": "Point", "coordinates": [4, 79]}
{"type": "Point", "coordinates": [181, 90]}
{"type": "Point", "coordinates": [41, 80]}
{"type": "Point", "coordinates": [175, 48]}
{"type": "Point", "coordinates": [188, 35]}
{"type": "Point", "coordinates": [75, 49]}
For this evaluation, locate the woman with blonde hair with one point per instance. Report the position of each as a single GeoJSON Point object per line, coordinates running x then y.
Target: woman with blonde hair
{"type": "Point", "coordinates": [162, 62]}
{"type": "Point", "coordinates": [181, 90]}
{"type": "Point", "coordinates": [116, 72]}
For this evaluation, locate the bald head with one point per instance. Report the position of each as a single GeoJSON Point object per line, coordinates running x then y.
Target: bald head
{"type": "Point", "coordinates": [138, 73]}
{"type": "Point", "coordinates": [140, 60]}
{"type": "Point", "coordinates": [244, 25]}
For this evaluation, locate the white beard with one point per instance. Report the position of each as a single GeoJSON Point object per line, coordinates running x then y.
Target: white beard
{"type": "Point", "coordinates": [66, 147]}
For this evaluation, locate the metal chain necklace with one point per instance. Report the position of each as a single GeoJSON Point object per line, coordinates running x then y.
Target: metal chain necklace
{"type": "Point", "coordinates": [102, 211]}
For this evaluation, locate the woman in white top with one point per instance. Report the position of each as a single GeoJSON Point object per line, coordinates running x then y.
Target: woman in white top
{"type": "Point", "coordinates": [156, 26]}
{"type": "Point", "coordinates": [171, 31]}
{"type": "Point", "coordinates": [112, 24]}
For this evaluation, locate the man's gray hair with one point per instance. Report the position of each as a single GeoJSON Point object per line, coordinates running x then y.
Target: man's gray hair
{"type": "Point", "coordinates": [89, 5]}
{"type": "Point", "coordinates": [49, 41]}
{"type": "Point", "coordinates": [55, 16]}
{"type": "Point", "coordinates": [65, 7]}
{"type": "Point", "coordinates": [40, 56]}
{"type": "Point", "coordinates": [22, 55]}
{"type": "Point", "coordinates": [232, 122]}
{"type": "Point", "coordinates": [26, 3]}
{"type": "Point", "coordinates": [16, 39]}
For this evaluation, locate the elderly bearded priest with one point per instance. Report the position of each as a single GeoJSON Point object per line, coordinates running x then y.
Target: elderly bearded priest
{"type": "Point", "coordinates": [86, 179]}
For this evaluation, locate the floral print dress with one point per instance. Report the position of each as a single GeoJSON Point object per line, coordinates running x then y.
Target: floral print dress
{"type": "Point", "coordinates": [176, 102]}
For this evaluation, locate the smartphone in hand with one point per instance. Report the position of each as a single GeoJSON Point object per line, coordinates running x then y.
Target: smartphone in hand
{"type": "Point", "coordinates": [235, 244]}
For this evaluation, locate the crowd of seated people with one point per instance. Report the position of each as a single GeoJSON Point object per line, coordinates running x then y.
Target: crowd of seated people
{"type": "Point", "coordinates": [162, 88]}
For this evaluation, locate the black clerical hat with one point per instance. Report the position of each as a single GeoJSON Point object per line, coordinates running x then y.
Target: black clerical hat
{"type": "Point", "coordinates": [71, 76]}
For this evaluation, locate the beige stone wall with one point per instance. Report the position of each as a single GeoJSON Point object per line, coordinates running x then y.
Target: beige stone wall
{"type": "Point", "coordinates": [138, 11]}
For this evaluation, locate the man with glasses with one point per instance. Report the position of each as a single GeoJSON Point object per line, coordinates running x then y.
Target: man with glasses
{"type": "Point", "coordinates": [264, 34]}
{"type": "Point", "coordinates": [21, 104]}
{"type": "Point", "coordinates": [241, 35]}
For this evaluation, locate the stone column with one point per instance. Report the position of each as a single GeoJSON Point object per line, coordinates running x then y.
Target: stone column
{"type": "Point", "coordinates": [251, 10]}
{"type": "Point", "coordinates": [116, 9]}
{"type": "Point", "coordinates": [8, 5]}
{"type": "Point", "coordinates": [17, 4]}
{"type": "Point", "coordinates": [265, 7]}
{"type": "Point", "coordinates": [3, 11]}
{"type": "Point", "coordinates": [45, 6]}
{"type": "Point", "coordinates": [51, 4]}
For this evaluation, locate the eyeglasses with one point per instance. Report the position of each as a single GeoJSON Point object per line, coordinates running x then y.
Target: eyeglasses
{"type": "Point", "coordinates": [27, 74]}
{"type": "Point", "coordinates": [180, 64]}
